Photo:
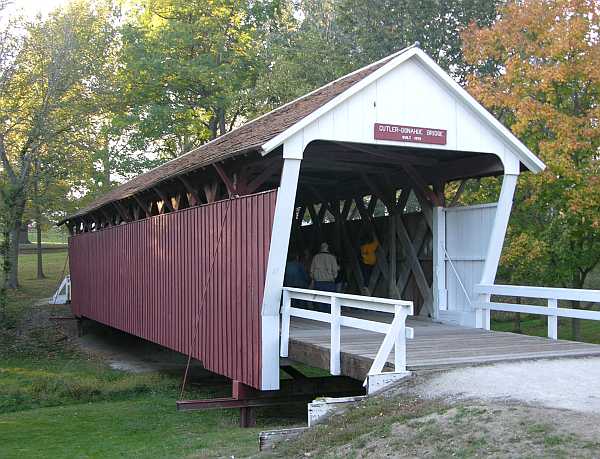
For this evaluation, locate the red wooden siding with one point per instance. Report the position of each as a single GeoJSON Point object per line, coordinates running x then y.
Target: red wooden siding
{"type": "Point", "coordinates": [147, 278]}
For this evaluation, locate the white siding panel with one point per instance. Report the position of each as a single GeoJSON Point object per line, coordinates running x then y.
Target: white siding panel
{"type": "Point", "coordinates": [409, 95]}
{"type": "Point", "coordinates": [468, 231]}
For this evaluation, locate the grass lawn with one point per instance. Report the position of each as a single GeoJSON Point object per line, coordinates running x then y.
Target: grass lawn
{"type": "Point", "coordinates": [536, 326]}
{"type": "Point", "coordinates": [56, 402]}
{"type": "Point", "coordinates": [31, 288]}
{"type": "Point", "coordinates": [50, 236]}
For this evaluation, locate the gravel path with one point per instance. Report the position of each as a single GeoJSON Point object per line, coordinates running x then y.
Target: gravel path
{"type": "Point", "coordinates": [572, 384]}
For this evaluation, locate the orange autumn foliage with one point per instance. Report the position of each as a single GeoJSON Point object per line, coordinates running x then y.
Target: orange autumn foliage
{"type": "Point", "coordinates": [537, 68]}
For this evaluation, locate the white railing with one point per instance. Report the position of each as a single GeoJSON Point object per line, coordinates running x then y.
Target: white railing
{"type": "Point", "coordinates": [395, 332]}
{"type": "Point", "coordinates": [63, 293]}
{"type": "Point", "coordinates": [552, 295]}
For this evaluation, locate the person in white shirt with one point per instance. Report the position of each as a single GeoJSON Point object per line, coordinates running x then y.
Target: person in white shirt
{"type": "Point", "coordinates": [324, 269]}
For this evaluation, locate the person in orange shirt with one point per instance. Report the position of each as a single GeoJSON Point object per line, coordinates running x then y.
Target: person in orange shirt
{"type": "Point", "coordinates": [368, 256]}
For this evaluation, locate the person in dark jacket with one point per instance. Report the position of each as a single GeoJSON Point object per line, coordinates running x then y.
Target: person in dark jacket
{"type": "Point", "coordinates": [295, 274]}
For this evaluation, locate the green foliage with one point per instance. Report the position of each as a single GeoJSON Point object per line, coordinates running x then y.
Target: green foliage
{"type": "Point", "coordinates": [323, 40]}
{"type": "Point", "coordinates": [189, 69]}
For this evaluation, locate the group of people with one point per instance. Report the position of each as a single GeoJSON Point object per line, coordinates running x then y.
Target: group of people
{"type": "Point", "coordinates": [323, 268]}
{"type": "Point", "coordinates": [322, 271]}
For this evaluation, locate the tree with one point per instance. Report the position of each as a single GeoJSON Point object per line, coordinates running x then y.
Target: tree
{"type": "Point", "coordinates": [326, 39]}
{"type": "Point", "coordinates": [380, 27]}
{"type": "Point", "coordinates": [190, 65]}
{"type": "Point", "coordinates": [537, 69]}
{"type": "Point", "coordinates": [46, 86]}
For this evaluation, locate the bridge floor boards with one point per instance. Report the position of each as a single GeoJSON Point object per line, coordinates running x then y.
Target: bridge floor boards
{"type": "Point", "coordinates": [435, 346]}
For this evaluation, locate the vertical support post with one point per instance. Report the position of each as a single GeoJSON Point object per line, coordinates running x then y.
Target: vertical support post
{"type": "Point", "coordinates": [285, 324]}
{"type": "Point", "coordinates": [440, 293]}
{"type": "Point", "coordinates": [494, 250]}
{"type": "Point", "coordinates": [80, 327]}
{"type": "Point", "coordinates": [335, 351]}
{"type": "Point", "coordinates": [553, 319]}
{"type": "Point", "coordinates": [247, 417]}
{"type": "Point", "coordinates": [240, 391]}
{"type": "Point", "coordinates": [400, 343]}
{"type": "Point", "coordinates": [282, 226]}
{"type": "Point", "coordinates": [392, 289]}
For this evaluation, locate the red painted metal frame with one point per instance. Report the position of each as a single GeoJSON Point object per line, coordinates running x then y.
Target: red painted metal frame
{"type": "Point", "coordinates": [147, 278]}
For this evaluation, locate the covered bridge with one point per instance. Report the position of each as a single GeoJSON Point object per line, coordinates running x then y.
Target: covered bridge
{"type": "Point", "coordinates": [191, 255]}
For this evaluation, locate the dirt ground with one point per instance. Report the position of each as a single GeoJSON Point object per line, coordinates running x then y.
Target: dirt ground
{"type": "Point", "coordinates": [408, 422]}
{"type": "Point", "coordinates": [490, 430]}
{"type": "Point", "coordinates": [126, 352]}
{"type": "Point", "coordinates": [568, 383]}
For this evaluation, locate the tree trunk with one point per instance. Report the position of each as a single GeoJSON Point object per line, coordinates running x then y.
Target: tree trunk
{"type": "Point", "coordinates": [40, 264]}
{"type": "Point", "coordinates": [38, 220]}
{"type": "Point", "coordinates": [213, 126]}
{"type": "Point", "coordinates": [24, 234]}
{"type": "Point", "coordinates": [222, 124]}
{"type": "Point", "coordinates": [13, 251]}
{"type": "Point", "coordinates": [13, 258]}
{"type": "Point", "coordinates": [106, 171]}
{"type": "Point", "coordinates": [4, 255]}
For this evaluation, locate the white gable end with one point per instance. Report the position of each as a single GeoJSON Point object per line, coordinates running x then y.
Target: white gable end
{"type": "Point", "coordinates": [411, 93]}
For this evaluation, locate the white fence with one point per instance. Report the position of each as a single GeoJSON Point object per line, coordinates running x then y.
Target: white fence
{"type": "Point", "coordinates": [395, 332]}
{"type": "Point", "coordinates": [63, 293]}
{"type": "Point", "coordinates": [552, 310]}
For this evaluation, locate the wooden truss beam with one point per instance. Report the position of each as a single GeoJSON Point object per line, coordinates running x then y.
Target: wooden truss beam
{"type": "Point", "coordinates": [420, 186]}
{"type": "Point", "coordinates": [210, 191]}
{"type": "Point", "coordinates": [165, 199]}
{"type": "Point", "coordinates": [122, 211]}
{"type": "Point", "coordinates": [194, 199]}
{"type": "Point", "coordinates": [413, 259]}
{"type": "Point", "coordinates": [231, 189]}
{"type": "Point", "coordinates": [262, 177]}
{"type": "Point", "coordinates": [145, 207]}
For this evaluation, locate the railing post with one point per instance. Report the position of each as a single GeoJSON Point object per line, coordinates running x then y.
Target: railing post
{"type": "Point", "coordinates": [483, 315]}
{"type": "Point", "coordinates": [487, 315]}
{"type": "Point", "coordinates": [285, 324]}
{"type": "Point", "coordinates": [553, 319]}
{"type": "Point", "coordinates": [400, 342]}
{"type": "Point", "coordinates": [335, 366]}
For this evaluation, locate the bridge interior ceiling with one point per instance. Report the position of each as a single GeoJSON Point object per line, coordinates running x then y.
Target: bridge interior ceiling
{"type": "Point", "coordinates": [332, 171]}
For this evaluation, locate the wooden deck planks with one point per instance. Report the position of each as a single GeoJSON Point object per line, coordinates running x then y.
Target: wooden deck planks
{"type": "Point", "coordinates": [434, 346]}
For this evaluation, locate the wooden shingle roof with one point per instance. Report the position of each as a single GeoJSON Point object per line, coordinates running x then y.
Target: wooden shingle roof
{"type": "Point", "coordinates": [248, 137]}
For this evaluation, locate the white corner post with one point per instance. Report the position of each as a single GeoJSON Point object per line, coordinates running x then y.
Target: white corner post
{"type": "Point", "coordinates": [400, 342]}
{"type": "Point", "coordinates": [280, 237]}
{"type": "Point", "coordinates": [335, 365]}
{"type": "Point", "coordinates": [494, 250]}
{"type": "Point", "coordinates": [440, 293]}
